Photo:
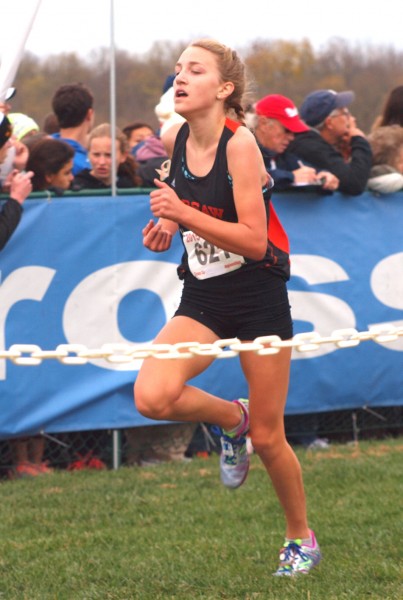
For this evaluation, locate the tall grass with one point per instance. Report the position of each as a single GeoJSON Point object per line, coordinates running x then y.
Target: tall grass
{"type": "Point", "coordinates": [173, 532]}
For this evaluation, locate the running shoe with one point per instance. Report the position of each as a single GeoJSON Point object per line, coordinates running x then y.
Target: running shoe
{"type": "Point", "coordinates": [23, 470]}
{"type": "Point", "coordinates": [43, 468]}
{"type": "Point", "coordinates": [296, 557]}
{"type": "Point", "coordinates": [234, 459]}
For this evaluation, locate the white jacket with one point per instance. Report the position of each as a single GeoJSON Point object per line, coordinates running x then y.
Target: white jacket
{"type": "Point", "coordinates": [385, 180]}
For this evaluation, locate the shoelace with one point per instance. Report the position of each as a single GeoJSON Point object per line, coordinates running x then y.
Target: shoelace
{"type": "Point", "coordinates": [290, 551]}
{"type": "Point", "coordinates": [231, 457]}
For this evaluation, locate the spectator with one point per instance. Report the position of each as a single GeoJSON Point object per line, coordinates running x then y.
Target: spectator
{"type": "Point", "coordinates": [136, 133]}
{"type": "Point", "coordinates": [27, 452]}
{"type": "Point", "coordinates": [51, 124]}
{"type": "Point", "coordinates": [20, 188]}
{"type": "Point", "coordinates": [20, 154]}
{"type": "Point", "coordinates": [5, 107]}
{"type": "Point", "coordinates": [17, 154]}
{"type": "Point", "coordinates": [151, 154]}
{"type": "Point", "coordinates": [73, 107]}
{"type": "Point", "coordinates": [10, 216]}
{"type": "Point", "coordinates": [51, 162]}
{"type": "Point", "coordinates": [275, 122]}
{"type": "Point", "coordinates": [387, 147]}
{"type": "Point", "coordinates": [165, 109]}
{"type": "Point", "coordinates": [326, 112]}
{"type": "Point", "coordinates": [27, 455]}
{"type": "Point", "coordinates": [15, 159]}
{"type": "Point", "coordinates": [99, 175]}
{"type": "Point", "coordinates": [31, 140]}
{"type": "Point", "coordinates": [392, 113]}
{"type": "Point", "coordinates": [150, 158]}
{"type": "Point", "coordinates": [23, 126]}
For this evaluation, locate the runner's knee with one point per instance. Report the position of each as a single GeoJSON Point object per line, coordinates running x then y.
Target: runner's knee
{"type": "Point", "coordinates": [155, 402]}
{"type": "Point", "coordinates": [267, 444]}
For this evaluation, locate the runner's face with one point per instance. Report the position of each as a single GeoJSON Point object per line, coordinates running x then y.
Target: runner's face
{"type": "Point", "coordinates": [197, 82]}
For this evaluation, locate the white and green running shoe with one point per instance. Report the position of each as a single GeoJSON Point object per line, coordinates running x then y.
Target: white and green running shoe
{"type": "Point", "coordinates": [234, 459]}
{"type": "Point", "coordinates": [296, 557]}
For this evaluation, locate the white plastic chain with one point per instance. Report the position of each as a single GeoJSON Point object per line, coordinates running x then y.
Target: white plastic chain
{"type": "Point", "coordinates": [78, 354]}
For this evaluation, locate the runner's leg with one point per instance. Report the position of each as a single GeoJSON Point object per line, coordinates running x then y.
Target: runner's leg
{"type": "Point", "coordinates": [161, 391]}
{"type": "Point", "coordinates": [268, 378]}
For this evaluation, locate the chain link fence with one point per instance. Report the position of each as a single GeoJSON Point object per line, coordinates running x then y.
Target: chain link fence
{"type": "Point", "coordinates": [141, 446]}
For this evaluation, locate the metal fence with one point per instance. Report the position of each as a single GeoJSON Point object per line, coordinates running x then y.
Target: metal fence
{"type": "Point", "coordinates": [142, 446]}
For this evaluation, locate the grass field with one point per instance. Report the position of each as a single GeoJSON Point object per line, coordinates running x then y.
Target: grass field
{"type": "Point", "coordinates": [173, 532]}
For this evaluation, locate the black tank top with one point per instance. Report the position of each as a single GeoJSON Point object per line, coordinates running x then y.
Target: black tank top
{"type": "Point", "coordinates": [213, 195]}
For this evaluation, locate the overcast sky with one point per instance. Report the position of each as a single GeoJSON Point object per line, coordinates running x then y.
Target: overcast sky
{"type": "Point", "coordinates": [84, 25]}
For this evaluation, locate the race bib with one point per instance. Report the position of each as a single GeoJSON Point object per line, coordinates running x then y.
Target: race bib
{"type": "Point", "coordinates": [207, 260]}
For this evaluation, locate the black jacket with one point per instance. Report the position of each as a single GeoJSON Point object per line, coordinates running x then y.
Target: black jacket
{"type": "Point", "coordinates": [85, 181]}
{"type": "Point", "coordinates": [280, 167]}
{"type": "Point", "coordinates": [10, 215]}
{"type": "Point", "coordinates": [316, 152]}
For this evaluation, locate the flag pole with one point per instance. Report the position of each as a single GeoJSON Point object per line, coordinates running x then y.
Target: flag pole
{"type": "Point", "coordinates": [113, 98]}
{"type": "Point", "coordinates": [14, 51]}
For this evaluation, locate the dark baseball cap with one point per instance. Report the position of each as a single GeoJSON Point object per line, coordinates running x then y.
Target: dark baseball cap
{"type": "Point", "coordinates": [319, 104]}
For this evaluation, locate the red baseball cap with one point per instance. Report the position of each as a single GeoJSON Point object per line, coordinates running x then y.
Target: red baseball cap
{"type": "Point", "coordinates": [281, 108]}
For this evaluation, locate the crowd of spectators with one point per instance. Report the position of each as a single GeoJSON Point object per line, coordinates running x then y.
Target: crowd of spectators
{"type": "Point", "coordinates": [318, 145]}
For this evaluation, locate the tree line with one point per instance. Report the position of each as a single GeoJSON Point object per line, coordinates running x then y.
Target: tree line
{"type": "Point", "coordinates": [293, 69]}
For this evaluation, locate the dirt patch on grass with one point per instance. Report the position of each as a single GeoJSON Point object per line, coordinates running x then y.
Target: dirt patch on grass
{"type": "Point", "coordinates": [353, 451]}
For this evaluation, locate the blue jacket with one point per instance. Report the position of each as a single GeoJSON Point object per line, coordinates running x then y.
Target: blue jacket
{"type": "Point", "coordinates": [80, 160]}
{"type": "Point", "coordinates": [280, 167]}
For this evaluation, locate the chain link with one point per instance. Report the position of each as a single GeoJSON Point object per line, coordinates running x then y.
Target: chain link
{"type": "Point", "coordinates": [78, 354]}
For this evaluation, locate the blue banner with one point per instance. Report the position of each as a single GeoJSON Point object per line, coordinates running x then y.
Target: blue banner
{"type": "Point", "coordinates": [76, 272]}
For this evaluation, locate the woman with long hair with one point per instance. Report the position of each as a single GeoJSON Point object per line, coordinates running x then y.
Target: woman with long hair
{"type": "Point", "coordinates": [234, 270]}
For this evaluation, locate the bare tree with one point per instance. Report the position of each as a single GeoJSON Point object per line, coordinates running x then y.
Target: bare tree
{"type": "Point", "coordinates": [275, 66]}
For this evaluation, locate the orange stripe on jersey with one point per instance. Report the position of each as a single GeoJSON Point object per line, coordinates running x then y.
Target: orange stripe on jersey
{"type": "Point", "coordinates": [232, 125]}
{"type": "Point", "coordinates": [276, 232]}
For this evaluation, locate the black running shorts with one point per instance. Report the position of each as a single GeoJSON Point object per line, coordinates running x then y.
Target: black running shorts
{"type": "Point", "coordinates": [244, 304]}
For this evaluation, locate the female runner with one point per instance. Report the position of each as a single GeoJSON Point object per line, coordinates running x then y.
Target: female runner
{"type": "Point", "coordinates": [234, 268]}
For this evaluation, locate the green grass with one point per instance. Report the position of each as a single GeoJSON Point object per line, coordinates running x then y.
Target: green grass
{"type": "Point", "coordinates": [173, 532]}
